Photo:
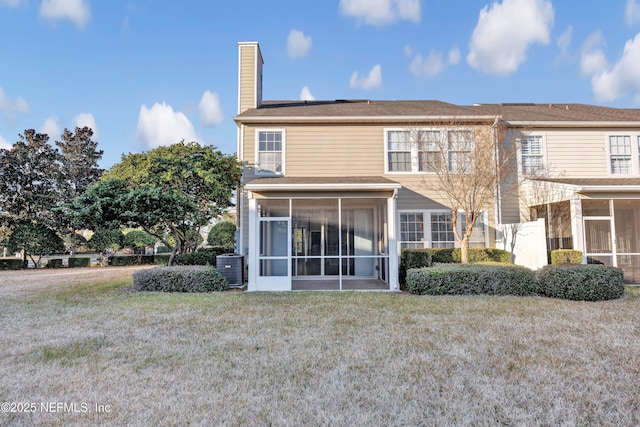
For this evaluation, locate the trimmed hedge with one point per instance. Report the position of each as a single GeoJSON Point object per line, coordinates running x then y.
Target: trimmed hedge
{"type": "Point", "coordinates": [79, 262]}
{"type": "Point", "coordinates": [565, 256]}
{"type": "Point", "coordinates": [161, 259]}
{"type": "Point", "coordinates": [586, 282]}
{"type": "Point", "coordinates": [10, 264]}
{"type": "Point", "coordinates": [473, 279]}
{"type": "Point", "coordinates": [416, 258]}
{"type": "Point", "coordinates": [54, 263]}
{"type": "Point", "coordinates": [191, 278]}
{"type": "Point", "coordinates": [204, 256]}
{"type": "Point", "coordinates": [121, 260]}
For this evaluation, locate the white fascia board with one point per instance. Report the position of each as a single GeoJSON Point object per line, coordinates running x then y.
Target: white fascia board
{"type": "Point", "coordinates": [609, 189]}
{"type": "Point", "coordinates": [346, 186]}
{"type": "Point", "coordinates": [572, 124]}
{"type": "Point", "coordinates": [338, 119]}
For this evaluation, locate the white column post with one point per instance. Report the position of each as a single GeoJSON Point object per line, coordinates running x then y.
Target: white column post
{"type": "Point", "coordinates": [392, 244]}
{"type": "Point", "coordinates": [577, 229]}
{"type": "Point", "coordinates": [253, 243]}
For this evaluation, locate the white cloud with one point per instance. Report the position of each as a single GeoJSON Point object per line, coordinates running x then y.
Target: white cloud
{"type": "Point", "coordinates": [434, 63]}
{"type": "Point", "coordinates": [454, 56]}
{"type": "Point", "coordinates": [86, 119]}
{"type": "Point", "coordinates": [499, 43]}
{"type": "Point", "coordinates": [76, 11]}
{"type": "Point", "coordinates": [210, 111]}
{"type": "Point", "coordinates": [372, 81]}
{"type": "Point", "coordinates": [160, 125]}
{"type": "Point", "coordinates": [632, 12]}
{"type": "Point", "coordinates": [4, 143]}
{"type": "Point", "coordinates": [306, 95]}
{"type": "Point", "coordinates": [381, 12]}
{"type": "Point", "coordinates": [564, 41]}
{"type": "Point", "coordinates": [12, 3]}
{"type": "Point", "coordinates": [298, 45]}
{"type": "Point", "coordinates": [623, 79]}
{"type": "Point", "coordinates": [51, 127]}
{"type": "Point", "coordinates": [592, 59]}
{"type": "Point", "coordinates": [10, 106]}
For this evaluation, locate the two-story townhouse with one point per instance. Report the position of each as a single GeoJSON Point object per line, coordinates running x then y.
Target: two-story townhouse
{"type": "Point", "coordinates": [334, 189]}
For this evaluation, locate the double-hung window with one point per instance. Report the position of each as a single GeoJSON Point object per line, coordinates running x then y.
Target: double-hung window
{"type": "Point", "coordinates": [461, 150]}
{"type": "Point", "coordinates": [270, 151]}
{"type": "Point", "coordinates": [532, 154]}
{"type": "Point", "coordinates": [434, 229]}
{"type": "Point", "coordinates": [620, 154]}
{"type": "Point", "coordinates": [442, 230]}
{"type": "Point", "coordinates": [412, 230]}
{"type": "Point", "coordinates": [399, 151]}
{"type": "Point", "coordinates": [430, 152]}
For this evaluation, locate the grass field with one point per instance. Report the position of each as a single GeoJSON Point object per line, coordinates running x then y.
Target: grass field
{"type": "Point", "coordinates": [314, 358]}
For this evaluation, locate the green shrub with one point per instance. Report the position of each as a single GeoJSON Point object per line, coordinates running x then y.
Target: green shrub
{"type": "Point", "coordinates": [192, 278]}
{"type": "Point", "coordinates": [204, 256]}
{"type": "Point", "coordinates": [584, 282]}
{"type": "Point", "coordinates": [161, 259]}
{"type": "Point", "coordinates": [412, 258]}
{"type": "Point", "coordinates": [565, 256]}
{"type": "Point", "coordinates": [120, 260]}
{"type": "Point", "coordinates": [79, 262]}
{"type": "Point", "coordinates": [54, 263]}
{"type": "Point", "coordinates": [472, 279]}
{"type": "Point", "coordinates": [10, 264]}
{"type": "Point", "coordinates": [442, 255]}
{"type": "Point", "coordinates": [482, 255]}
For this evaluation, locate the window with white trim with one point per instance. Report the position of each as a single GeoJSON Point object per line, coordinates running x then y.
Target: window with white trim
{"type": "Point", "coordinates": [532, 150]}
{"type": "Point", "coordinates": [412, 230]}
{"type": "Point", "coordinates": [620, 154]}
{"type": "Point", "coordinates": [270, 151]}
{"type": "Point", "coordinates": [434, 229]}
{"type": "Point", "coordinates": [424, 150]}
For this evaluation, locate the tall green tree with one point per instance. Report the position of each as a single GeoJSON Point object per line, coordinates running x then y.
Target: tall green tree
{"type": "Point", "coordinates": [34, 240]}
{"type": "Point", "coordinates": [78, 169]}
{"type": "Point", "coordinates": [29, 177]}
{"type": "Point", "coordinates": [170, 192]}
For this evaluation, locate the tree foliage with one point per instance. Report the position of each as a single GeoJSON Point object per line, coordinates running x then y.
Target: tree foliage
{"type": "Point", "coordinates": [29, 179]}
{"type": "Point", "coordinates": [104, 239]}
{"type": "Point", "coordinates": [170, 192]}
{"type": "Point", "coordinates": [222, 234]}
{"type": "Point", "coordinates": [138, 240]}
{"type": "Point", "coordinates": [35, 240]}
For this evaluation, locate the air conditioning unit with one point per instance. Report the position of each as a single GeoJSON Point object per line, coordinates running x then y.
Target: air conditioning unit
{"type": "Point", "coordinates": [231, 266]}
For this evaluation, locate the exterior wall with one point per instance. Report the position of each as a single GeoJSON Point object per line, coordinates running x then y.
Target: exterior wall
{"type": "Point", "coordinates": [250, 76]}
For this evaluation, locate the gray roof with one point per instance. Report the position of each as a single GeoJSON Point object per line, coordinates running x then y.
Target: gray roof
{"type": "Point", "coordinates": [373, 109]}
{"type": "Point", "coordinates": [595, 182]}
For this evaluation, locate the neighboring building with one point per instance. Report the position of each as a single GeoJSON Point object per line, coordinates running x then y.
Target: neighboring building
{"type": "Point", "coordinates": [334, 189]}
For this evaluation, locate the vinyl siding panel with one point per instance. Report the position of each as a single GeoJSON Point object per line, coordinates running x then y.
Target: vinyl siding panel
{"type": "Point", "coordinates": [247, 77]}
{"type": "Point", "coordinates": [577, 153]}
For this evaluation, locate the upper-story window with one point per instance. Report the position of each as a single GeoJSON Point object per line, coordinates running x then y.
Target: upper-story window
{"type": "Point", "coordinates": [620, 154]}
{"type": "Point", "coordinates": [423, 150]}
{"type": "Point", "coordinates": [532, 149]}
{"type": "Point", "coordinates": [270, 151]}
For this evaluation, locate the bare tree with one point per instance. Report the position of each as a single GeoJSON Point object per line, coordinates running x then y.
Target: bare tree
{"type": "Point", "coordinates": [471, 165]}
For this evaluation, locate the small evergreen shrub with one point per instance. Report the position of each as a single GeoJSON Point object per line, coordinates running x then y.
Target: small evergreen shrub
{"type": "Point", "coordinates": [204, 256]}
{"type": "Point", "coordinates": [192, 278]}
{"type": "Point", "coordinates": [412, 258]}
{"type": "Point", "coordinates": [54, 263]}
{"type": "Point", "coordinates": [11, 264]}
{"type": "Point", "coordinates": [79, 262]}
{"type": "Point", "coordinates": [442, 255]}
{"type": "Point", "coordinates": [482, 255]}
{"type": "Point", "coordinates": [472, 279]}
{"type": "Point", "coordinates": [161, 258]}
{"type": "Point", "coordinates": [565, 256]}
{"type": "Point", "coordinates": [583, 282]}
{"type": "Point", "coordinates": [121, 260]}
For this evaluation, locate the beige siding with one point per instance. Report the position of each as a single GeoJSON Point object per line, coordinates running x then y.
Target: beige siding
{"type": "Point", "coordinates": [247, 76]}
{"type": "Point", "coordinates": [577, 153]}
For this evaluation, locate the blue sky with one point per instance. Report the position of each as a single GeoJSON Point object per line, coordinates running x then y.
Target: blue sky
{"type": "Point", "coordinates": [148, 73]}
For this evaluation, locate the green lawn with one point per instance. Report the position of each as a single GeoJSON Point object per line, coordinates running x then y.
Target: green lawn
{"type": "Point", "coordinates": [317, 359]}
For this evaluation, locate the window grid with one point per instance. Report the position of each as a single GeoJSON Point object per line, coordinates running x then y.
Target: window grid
{"type": "Point", "coordinates": [270, 151]}
{"type": "Point", "coordinates": [620, 154]}
{"type": "Point", "coordinates": [411, 230]}
{"type": "Point", "coordinates": [399, 151]}
{"type": "Point", "coordinates": [461, 145]}
{"type": "Point", "coordinates": [532, 154]}
{"type": "Point", "coordinates": [442, 230]}
{"type": "Point", "coordinates": [429, 151]}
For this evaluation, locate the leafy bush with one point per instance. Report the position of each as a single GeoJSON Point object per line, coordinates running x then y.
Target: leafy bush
{"type": "Point", "coordinates": [161, 258]}
{"type": "Point", "coordinates": [10, 264]}
{"type": "Point", "coordinates": [565, 256]}
{"type": "Point", "coordinates": [483, 254]}
{"type": "Point", "coordinates": [581, 282]}
{"type": "Point", "coordinates": [138, 240]}
{"type": "Point", "coordinates": [180, 279]}
{"type": "Point", "coordinates": [472, 279]}
{"type": "Point", "coordinates": [79, 262]}
{"type": "Point", "coordinates": [442, 256]}
{"type": "Point", "coordinates": [222, 234]}
{"type": "Point", "coordinates": [120, 260]}
{"type": "Point", "coordinates": [204, 256]}
{"type": "Point", "coordinates": [54, 263]}
{"type": "Point", "coordinates": [412, 258]}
